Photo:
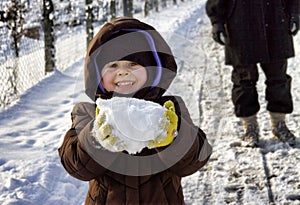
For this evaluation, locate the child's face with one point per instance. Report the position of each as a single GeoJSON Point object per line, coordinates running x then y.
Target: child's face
{"type": "Point", "coordinates": [123, 77]}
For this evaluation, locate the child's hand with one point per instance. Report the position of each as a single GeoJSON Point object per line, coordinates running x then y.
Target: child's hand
{"type": "Point", "coordinates": [132, 124]}
{"type": "Point", "coordinates": [97, 111]}
{"type": "Point", "coordinates": [103, 134]}
{"type": "Point", "coordinates": [170, 127]}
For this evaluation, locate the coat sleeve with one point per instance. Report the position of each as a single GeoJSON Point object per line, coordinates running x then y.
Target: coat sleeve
{"type": "Point", "coordinates": [74, 157]}
{"type": "Point", "coordinates": [190, 147]}
{"type": "Point", "coordinates": [216, 10]}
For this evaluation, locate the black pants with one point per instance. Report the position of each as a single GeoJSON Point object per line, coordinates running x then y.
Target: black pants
{"type": "Point", "coordinates": [278, 88]}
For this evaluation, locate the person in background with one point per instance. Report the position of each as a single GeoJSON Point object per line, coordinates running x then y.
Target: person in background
{"type": "Point", "coordinates": [128, 59]}
{"type": "Point", "coordinates": [258, 32]}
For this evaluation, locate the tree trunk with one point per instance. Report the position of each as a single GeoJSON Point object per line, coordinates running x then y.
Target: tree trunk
{"type": "Point", "coordinates": [14, 21]}
{"type": "Point", "coordinates": [164, 3]}
{"type": "Point", "coordinates": [146, 8]}
{"type": "Point", "coordinates": [125, 8]}
{"type": "Point", "coordinates": [155, 2]}
{"type": "Point", "coordinates": [113, 9]}
{"type": "Point", "coordinates": [89, 21]}
{"type": "Point", "coordinates": [130, 8]}
{"type": "Point", "coordinates": [48, 26]}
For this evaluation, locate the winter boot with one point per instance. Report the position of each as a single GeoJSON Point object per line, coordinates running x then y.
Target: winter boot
{"type": "Point", "coordinates": [250, 138]}
{"type": "Point", "coordinates": [280, 130]}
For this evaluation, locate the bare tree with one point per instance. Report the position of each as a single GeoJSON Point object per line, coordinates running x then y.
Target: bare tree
{"type": "Point", "coordinates": [113, 12]}
{"type": "Point", "coordinates": [147, 7]}
{"type": "Point", "coordinates": [164, 3]}
{"type": "Point", "coordinates": [156, 5]}
{"type": "Point", "coordinates": [14, 18]}
{"type": "Point", "coordinates": [128, 7]}
{"type": "Point", "coordinates": [89, 21]}
{"type": "Point", "coordinates": [48, 25]}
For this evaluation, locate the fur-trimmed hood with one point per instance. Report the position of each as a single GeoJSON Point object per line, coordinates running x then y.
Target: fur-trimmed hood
{"type": "Point", "coordinates": [127, 38]}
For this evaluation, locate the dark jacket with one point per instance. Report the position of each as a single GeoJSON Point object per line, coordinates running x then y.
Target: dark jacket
{"type": "Point", "coordinates": [154, 175]}
{"type": "Point", "coordinates": [257, 30]}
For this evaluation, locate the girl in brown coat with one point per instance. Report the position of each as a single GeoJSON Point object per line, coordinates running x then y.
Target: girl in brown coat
{"type": "Point", "coordinates": [152, 176]}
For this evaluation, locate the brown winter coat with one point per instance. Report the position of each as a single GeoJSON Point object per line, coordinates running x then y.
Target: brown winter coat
{"type": "Point", "coordinates": [257, 30]}
{"type": "Point", "coordinates": [107, 187]}
{"type": "Point", "coordinates": [184, 156]}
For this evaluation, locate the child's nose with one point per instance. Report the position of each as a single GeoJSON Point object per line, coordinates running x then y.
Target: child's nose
{"type": "Point", "coordinates": [123, 70]}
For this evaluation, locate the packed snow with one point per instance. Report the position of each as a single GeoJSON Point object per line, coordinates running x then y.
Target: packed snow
{"type": "Point", "coordinates": [131, 123]}
{"type": "Point", "coordinates": [32, 129]}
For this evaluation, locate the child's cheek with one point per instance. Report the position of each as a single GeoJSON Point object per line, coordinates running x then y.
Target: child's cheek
{"type": "Point", "coordinates": [107, 84]}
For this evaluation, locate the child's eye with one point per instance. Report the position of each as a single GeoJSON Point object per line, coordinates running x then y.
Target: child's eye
{"type": "Point", "coordinates": [113, 65]}
{"type": "Point", "coordinates": [133, 64]}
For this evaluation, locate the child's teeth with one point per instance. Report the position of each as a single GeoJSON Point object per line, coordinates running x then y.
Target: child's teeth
{"type": "Point", "coordinates": [124, 83]}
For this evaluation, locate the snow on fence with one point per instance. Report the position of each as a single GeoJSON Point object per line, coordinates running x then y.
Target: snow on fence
{"type": "Point", "coordinates": [19, 74]}
{"type": "Point", "coordinates": [21, 69]}
{"type": "Point", "coordinates": [70, 48]}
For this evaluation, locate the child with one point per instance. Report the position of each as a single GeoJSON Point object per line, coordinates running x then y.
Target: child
{"type": "Point", "coordinates": [128, 63]}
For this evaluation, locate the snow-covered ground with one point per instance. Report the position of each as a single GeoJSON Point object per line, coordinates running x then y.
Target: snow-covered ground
{"type": "Point", "coordinates": [31, 130]}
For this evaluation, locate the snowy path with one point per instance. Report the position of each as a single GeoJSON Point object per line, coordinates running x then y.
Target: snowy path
{"type": "Point", "coordinates": [31, 130]}
{"type": "Point", "coordinates": [237, 175]}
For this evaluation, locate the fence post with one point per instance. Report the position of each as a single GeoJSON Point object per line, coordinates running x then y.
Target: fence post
{"type": "Point", "coordinates": [48, 27]}
{"type": "Point", "coordinates": [89, 21]}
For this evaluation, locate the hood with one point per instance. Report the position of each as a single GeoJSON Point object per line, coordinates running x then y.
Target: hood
{"type": "Point", "coordinates": [127, 38]}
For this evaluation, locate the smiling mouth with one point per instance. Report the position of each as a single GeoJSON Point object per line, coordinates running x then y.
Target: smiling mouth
{"type": "Point", "coordinates": [126, 83]}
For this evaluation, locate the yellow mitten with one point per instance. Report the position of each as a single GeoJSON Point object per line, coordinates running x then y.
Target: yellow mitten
{"type": "Point", "coordinates": [97, 111]}
{"type": "Point", "coordinates": [171, 126]}
{"type": "Point", "coordinates": [103, 133]}
{"type": "Point", "coordinates": [99, 120]}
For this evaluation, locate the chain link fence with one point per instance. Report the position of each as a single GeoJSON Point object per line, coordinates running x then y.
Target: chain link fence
{"type": "Point", "coordinates": [23, 46]}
